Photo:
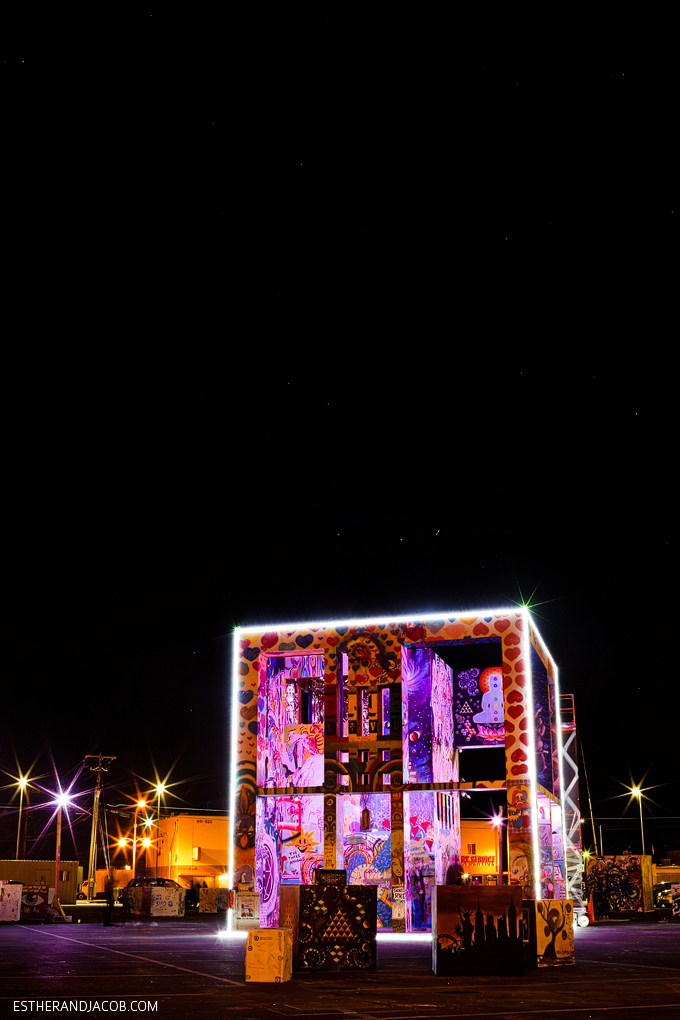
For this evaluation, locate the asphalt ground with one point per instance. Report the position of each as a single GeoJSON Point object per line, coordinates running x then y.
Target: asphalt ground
{"type": "Point", "coordinates": [191, 969]}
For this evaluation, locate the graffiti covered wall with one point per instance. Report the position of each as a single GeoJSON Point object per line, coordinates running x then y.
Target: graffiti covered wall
{"type": "Point", "coordinates": [619, 884]}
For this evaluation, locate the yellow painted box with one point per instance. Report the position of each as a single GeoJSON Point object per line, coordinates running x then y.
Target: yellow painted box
{"type": "Point", "coordinates": [269, 954]}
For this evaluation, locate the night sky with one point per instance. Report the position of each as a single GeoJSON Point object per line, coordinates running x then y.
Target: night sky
{"type": "Point", "coordinates": [399, 345]}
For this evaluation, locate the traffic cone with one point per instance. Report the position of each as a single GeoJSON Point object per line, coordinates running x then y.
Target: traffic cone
{"type": "Point", "coordinates": [591, 910]}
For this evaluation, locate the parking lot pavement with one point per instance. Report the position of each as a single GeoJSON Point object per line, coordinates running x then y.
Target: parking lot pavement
{"type": "Point", "coordinates": [191, 970]}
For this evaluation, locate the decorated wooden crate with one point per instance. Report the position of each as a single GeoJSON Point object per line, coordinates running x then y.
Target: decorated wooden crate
{"type": "Point", "coordinates": [477, 930]}
{"type": "Point", "coordinates": [333, 927]}
{"type": "Point", "coordinates": [10, 901]}
{"type": "Point", "coordinates": [549, 933]}
{"type": "Point", "coordinates": [269, 955]}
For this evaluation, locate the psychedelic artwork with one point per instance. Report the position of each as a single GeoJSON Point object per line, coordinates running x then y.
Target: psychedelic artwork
{"type": "Point", "coordinates": [290, 732]}
{"type": "Point", "coordinates": [367, 847]}
{"type": "Point", "coordinates": [619, 883]}
{"type": "Point", "coordinates": [427, 700]}
{"type": "Point", "coordinates": [443, 767]}
{"type": "Point", "coordinates": [302, 754]}
{"type": "Point", "coordinates": [558, 855]}
{"type": "Point", "coordinates": [289, 847]}
{"type": "Point", "coordinates": [479, 711]}
{"type": "Point", "coordinates": [545, 848]}
{"type": "Point", "coordinates": [476, 930]}
{"type": "Point", "coordinates": [417, 714]}
{"type": "Point", "coordinates": [336, 927]}
{"type": "Point", "coordinates": [542, 723]}
{"type": "Point", "coordinates": [267, 861]}
{"type": "Point", "coordinates": [419, 858]}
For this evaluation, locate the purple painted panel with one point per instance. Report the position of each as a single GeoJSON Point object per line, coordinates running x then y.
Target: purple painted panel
{"type": "Point", "coordinates": [416, 688]}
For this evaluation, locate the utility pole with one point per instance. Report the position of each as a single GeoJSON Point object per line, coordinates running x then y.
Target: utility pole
{"type": "Point", "coordinates": [98, 768]}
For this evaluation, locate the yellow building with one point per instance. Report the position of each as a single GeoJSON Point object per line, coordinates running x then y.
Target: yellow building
{"type": "Point", "coordinates": [480, 856]}
{"type": "Point", "coordinates": [191, 848]}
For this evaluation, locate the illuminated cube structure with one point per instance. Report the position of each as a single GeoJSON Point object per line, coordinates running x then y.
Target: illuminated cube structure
{"type": "Point", "coordinates": [346, 739]}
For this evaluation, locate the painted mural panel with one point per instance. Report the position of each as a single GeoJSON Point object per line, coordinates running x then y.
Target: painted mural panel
{"type": "Point", "coordinates": [520, 839]}
{"type": "Point", "coordinates": [542, 724]}
{"type": "Point", "coordinates": [290, 735]}
{"type": "Point", "coordinates": [619, 883]}
{"type": "Point", "coordinates": [336, 928]}
{"type": "Point", "coordinates": [300, 833]}
{"type": "Point", "coordinates": [447, 838]}
{"type": "Point", "coordinates": [34, 901]}
{"type": "Point", "coordinates": [419, 858]}
{"type": "Point", "coordinates": [416, 690]}
{"type": "Point", "coordinates": [559, 864]}
{"type": "Point", "coordinates": [442, 721]}
{"type": "Point", "coordinates": [554, 742]}
{"type": "Point", "coordinates": [550, 940]}
{"type": "Point", "coordinates": [478, 707]}
{"type": "Point", "coordinates": [267, 861]}
{"type": "Point", "coordinates": [367, 847]}
{"type": "Point", "coordinates": [302, 755]}
{"type": "Point", "coordinates": [476, 930]}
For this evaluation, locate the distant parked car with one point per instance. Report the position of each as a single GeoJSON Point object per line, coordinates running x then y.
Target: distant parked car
{"type": "Point", "coordinates": [136, 883]}
{"type": "Point", "coordinates": [662, 895]}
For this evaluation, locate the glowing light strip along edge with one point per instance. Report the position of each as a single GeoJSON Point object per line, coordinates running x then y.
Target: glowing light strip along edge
{"type": "Point", "coordinates": [383, 620]}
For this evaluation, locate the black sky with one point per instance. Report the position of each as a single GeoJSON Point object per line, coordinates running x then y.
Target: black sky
{"type": "Point", "coordinates": [400, 345]}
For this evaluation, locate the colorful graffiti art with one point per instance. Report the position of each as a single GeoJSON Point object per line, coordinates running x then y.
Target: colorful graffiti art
{"type": "Point", "coordinates": [417, 719]}
{"type": "Point", "coordinates": [302, 754]}
{"type": "Point", "coordinates": [619, 883]}
{"type": "Point", "coordinates": [479, 708]}
{"type": "Point", "coordinates": [291, 731]}
{"type": "Point", "coordinates": [549, 933]}
{"type": "Point", "coordinates": [554, 933]}
{"type": "Point", "coordinates": [442, 721]}
{"type": "Point", "coordinates": [367, 852]}
{"type": "Point", "coordinates": [520, 846]}
{"type": "Point", "coordinates": [542, 727]}
{"type": "Point", "coordinates": [337, 928]}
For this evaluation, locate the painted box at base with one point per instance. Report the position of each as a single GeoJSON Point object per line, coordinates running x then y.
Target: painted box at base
{"type": "Point", "coordinates": [10, 902]}
{"type": "Point", "coordinates": [334, 927]}
{"type": "Point", "coordinates": [166, 902]}
{"type": "Point", "coordinates": [35, 899]}
{"type": "Point", "coordinates": [477, 930]}
{"type": "Point", "coordinates": [675, 900]}
{"type": "Point", "coordinates": [269, 954]}
{"type": "Point", "coordinates": [549, 933]}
